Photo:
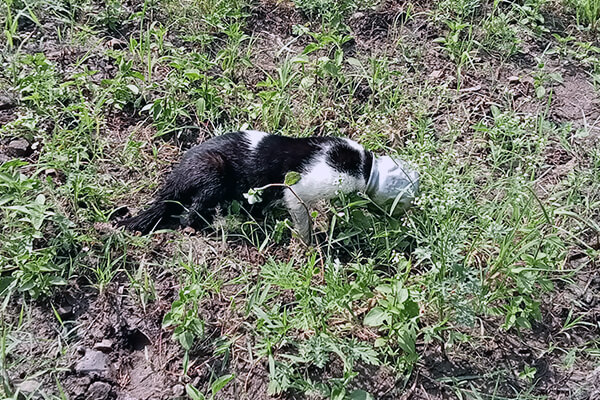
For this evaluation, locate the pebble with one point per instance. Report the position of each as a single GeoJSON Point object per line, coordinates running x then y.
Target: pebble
{"type": "Point", "coordinates": [29, 386]}
{"type": "Point", "coordinates": [436, 74]}
{"type": "Point", "coordinates": [79, 386]}
{"type": "Point", "coordinates": [7, 103]}
{"type": "Point", "coordinates": [104, 346]}
{"type": "Point", "coordinates": [18, 148]}
{"type": "Point", "coordinates": [93, 362]}
{"type": "Point", "coordinates": [116, 44]}
{"type": "Point", "coordinates": [98, 391]}
{"type": "Point", "coordinates": [65, 312]}
{"type": "Point", "coordinates": [178, 390]}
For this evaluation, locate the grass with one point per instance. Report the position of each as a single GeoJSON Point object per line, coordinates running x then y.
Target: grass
{"type": "Point", "coordinates": [507, 219]}
{"type": "Point", "coordinates": [587, 12]}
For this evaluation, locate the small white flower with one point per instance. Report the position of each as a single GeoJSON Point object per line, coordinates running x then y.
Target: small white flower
{"type": "Point", "coordinates": [253, 196]}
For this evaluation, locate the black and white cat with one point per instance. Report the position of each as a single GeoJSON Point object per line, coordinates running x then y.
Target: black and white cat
{"type": "Point", "coordinates": [226, 167]}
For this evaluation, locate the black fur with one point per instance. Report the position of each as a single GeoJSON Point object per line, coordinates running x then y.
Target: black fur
{"type": "Point", "coordinates": [368, 165]}
{"type": "Point", "coordinates": [276, 155]}
{"type": "Point", "coordinates": [342, 157]}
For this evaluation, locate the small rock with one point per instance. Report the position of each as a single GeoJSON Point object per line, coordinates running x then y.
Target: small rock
{"type": "Point", "coordinates": [7, 103]}
{"type": "Point", "coordinates": [65, 312]}
{"type": "Point", "coordinates": [133, 322]}
{"type": "Point", "coordinates": [98, 391]}
{"type": "Point", "coordinates": [93, 362]}
{"type": "Point", "coordinates": [589, 298]}
{"type": "Point", "coordinates": [29, 386]}
{"type": "Point", "coordinates": [104, 346]}
{"type": "Point", "coordinates": [436, 74]}
{"type": "Point", "coordinates": [116, 44]}
{"type": "Point", "coordinates": [103, 227]}
{"type": "Point", "coordinates": [19, 148]}
{"type": "Point", "coordinates": [4, 158]}
{"type": "Point", "coordinates": [188, 230]}
{"type": "Point", "coordinates": [78, 386]}
{"type": "Point", "coordinates": [178, 390]}
{"type": "Point", "coordinates": [197, 381]}
{"type": "Point", "coordinates": [475, 88]}
{"type": "Point", "coordinates": [357, 15]}
{"type": "Point", "coordinates": [95, 332]}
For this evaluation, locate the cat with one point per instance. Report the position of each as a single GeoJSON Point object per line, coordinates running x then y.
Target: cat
{"type": "Point", "coordinates": [226, 167]}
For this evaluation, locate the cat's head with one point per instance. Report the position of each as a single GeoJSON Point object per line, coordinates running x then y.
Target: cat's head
{"type": "Point", "coordinates": [392, 180]}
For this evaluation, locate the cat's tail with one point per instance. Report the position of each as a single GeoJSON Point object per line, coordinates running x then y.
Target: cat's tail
{"type": "Point", "coordinates": [166, 204]}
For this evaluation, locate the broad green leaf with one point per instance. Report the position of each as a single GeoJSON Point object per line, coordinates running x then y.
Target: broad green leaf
{"type": "Point", "coordinates": [301, 59]}
{"type": "Point", "coordinates": [386, 289]}
{"type": "Point", "coordinates": [402, 296]}
{"type": "Point", "coordinates": [186, 339]}
{"type": "Point", "coordinates": [307, 82]}
{"type": "Point", "coordinates": [310, 48]}
{"type": "Point", "coordinates": [540, 91]}
{"type": "Point", "coordinates": [57, 281]}
{"type": "Point", "coordinates": [291, 178]}
{"type": "Point", "coordinates": [192, 74]}
{"type": "Point", "coordinates": [556, 76]}
{"type": "Point", "coordinates": [6, 282]}
{"type": "Point", "coordinates": [6, 199]}
{"type": "Point", "coordinates": [134, 89]}
{"type": "Point", "coordinates": [193, 393]}
{"type": "Point", "coordinates": [376, 317]}
{"type": "Point", "coordinates": [360, 395]}
{"type": "Point", "coordinates": [353, 61]}
{"type": "Point", "coordinates": [168, 320]}
{"type": "Point", "coordinates": [412, 308]}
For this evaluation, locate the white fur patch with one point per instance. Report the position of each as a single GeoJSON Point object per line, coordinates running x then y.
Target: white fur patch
{"type": "Point", "coordinates": [319, 181]}
{"type": "Point", "coordinates": [254, 138]}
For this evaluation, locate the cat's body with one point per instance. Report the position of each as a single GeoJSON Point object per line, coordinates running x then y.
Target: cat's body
{"type": "Point", "coordinates": [225, 167]}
